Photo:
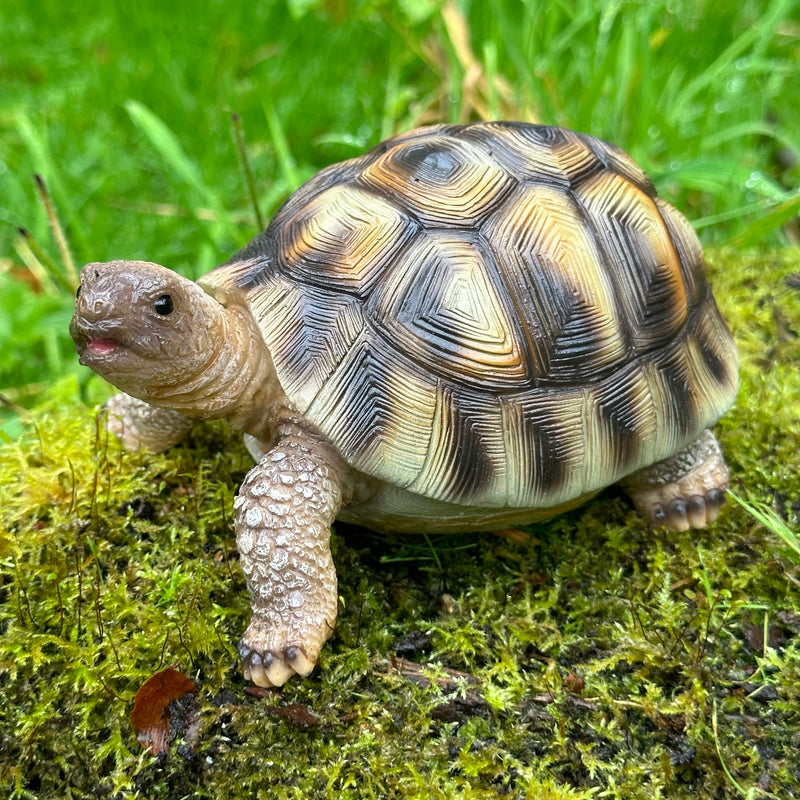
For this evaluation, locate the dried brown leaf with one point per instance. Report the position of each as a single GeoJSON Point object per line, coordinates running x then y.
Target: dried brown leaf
{"type": "Point", "coordinates": [150, 717]}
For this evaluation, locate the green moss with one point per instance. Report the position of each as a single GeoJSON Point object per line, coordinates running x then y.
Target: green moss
{"type": "Point", "coordinates": [605, 660]}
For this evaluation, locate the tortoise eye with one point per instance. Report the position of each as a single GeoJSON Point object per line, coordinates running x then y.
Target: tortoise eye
{"type": "Point", "coordinates": [164, 305]}
{"type": "Point", "coordinates": [78, 292]}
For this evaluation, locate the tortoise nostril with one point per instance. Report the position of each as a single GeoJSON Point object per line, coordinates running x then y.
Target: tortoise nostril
{"type": "Point", "coordinates": [97, 308]}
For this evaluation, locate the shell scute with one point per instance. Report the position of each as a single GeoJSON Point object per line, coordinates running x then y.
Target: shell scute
{"type": "Point", "coordinates": [545, 447]}
{"type": "Point", "coordinates": [561, 287]}
{"type": "Point", "coordinates": [379, 410]}
{"type": "Point", "coordinates": [441, 302]}
{"type": "Point", "coordinates": [525, 151]}
{"type": "Point", "coordinates": [442, 180]}
{"type": "Point", "coordinates": [648, 274]}
{"type": "Point", "coordinates": [617, 160]}
{"type": "Point", "coordinates": [311, 330]}
{"type": "Point", "coordinates": [623, 427]}
{"type": "Point", "coordinates": [343, 238]}
{"type": "Point", "coordinates": [688, 250]}
{"type": "Point", "coordinates": [465, 461]}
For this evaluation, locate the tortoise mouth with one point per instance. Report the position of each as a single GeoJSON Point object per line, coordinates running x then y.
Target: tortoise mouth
{"type": "Point", "coordinates": [101, 354]}
{"type": "Point", "coordinates": [99, 349]}
{"type": "Point", "coordinates": [95, 341]}
{"type": "Point", "coordinates": [103, 347]}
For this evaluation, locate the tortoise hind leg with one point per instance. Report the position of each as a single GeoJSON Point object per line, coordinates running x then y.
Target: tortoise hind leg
{"type": "Point", "coordinates": [685, 490]}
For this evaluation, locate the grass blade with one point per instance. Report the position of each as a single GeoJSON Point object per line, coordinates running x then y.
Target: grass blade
{"type": "Point", "coordinates": [244, 163]}
{"type": "Point", "coordinates": [58, 232]}
{"type": "Point", "coordinates": [728, 774]}
{"type": "Point", "coordinates": [758, 230]}
{"type": "Point", "coordinates": [38, 147]}
{"type": "Point", "coordinates": [281, 145]}
{"type": "Point", "coordinates": [166, 143]}
{"type": "Point", "coordinates": [772, 522]}
{"type": "Point", "coordinates": [39, 263]}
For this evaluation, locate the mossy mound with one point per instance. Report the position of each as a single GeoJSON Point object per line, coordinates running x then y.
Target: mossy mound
{"type": "Point", "coordinates": [605, 659]}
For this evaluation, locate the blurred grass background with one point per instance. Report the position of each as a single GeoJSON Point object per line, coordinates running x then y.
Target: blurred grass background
{"type": "Point", "coordinates": [125, 110]}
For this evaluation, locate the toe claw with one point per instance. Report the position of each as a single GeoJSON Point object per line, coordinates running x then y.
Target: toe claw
{"type": "Point", "coordinates": [696, 511]}
{"type": "Point", "coordinates": [291, 652]}
{"type": "Point", "coordinates": [253, 668]}
{"type": "Point", "coordinates": [278, 671]}
{"type": "Point", "coordinates": [676, 515]}
{"type": "Point", "coordinates": [659, 514]}
{"type": "Point", "coordinates": [256, 670]}
{"type": "Point", "coordinates": [300, 662]}
{"type": "Point", "coordinates": [715, 500]}
{"type": "Point", "coordinates": [677, 508]}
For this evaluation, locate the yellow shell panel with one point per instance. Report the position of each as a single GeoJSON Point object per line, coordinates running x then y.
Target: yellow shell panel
{"type": "Point", "coordinates": [441, 180]}
{"type": "Point", "coordinates": [645, 267]}
{"type": "Point", "coordinates": [343, 238]}
{"type": "Point", "coordinates": [560, 285]}
{"type": "Point", "coordinates": [443, 304]}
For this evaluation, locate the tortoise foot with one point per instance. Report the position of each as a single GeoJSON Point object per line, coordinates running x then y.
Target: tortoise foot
{"type": "Point", "coordinates": [284, 511]}
{"type": "Point", "coordinates": [141, 426]}
{"type": "Point", "coordinates": [684, 491]}
{"type": "Point", "coordinates": [673, 506]}
{"type": "Point", "coordinates": [271, 661]}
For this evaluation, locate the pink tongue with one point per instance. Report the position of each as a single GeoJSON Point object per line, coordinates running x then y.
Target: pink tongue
{"type": "Point", "coordinates": [102, 346]}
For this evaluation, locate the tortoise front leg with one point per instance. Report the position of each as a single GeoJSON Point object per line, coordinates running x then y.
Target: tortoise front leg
{"type": "Point", "coordinates": [683, 491]}
{"type": "Point", "coordinates": [284, 511]}
{"type": "Point", "coordinates": [141, 426]}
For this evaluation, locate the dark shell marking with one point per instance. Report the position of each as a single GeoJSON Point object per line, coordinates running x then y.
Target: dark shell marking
{"type": "Point", "coordinates": [496, 314]}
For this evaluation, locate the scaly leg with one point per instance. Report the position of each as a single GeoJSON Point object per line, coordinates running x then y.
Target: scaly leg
{"type": "Point", "coordinates": [142, 426]}
{"type": "Point", "coordinates": [683, 491]}
{"type": "Point", "coordinates": [284, 511]}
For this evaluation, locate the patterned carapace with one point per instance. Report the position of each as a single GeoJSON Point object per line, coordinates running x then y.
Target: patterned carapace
{"type": "Point", "coordinates": [496, 314]}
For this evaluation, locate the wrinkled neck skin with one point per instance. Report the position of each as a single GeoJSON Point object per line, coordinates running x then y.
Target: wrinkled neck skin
{"type": "Point", "coordinates": [238, 382]}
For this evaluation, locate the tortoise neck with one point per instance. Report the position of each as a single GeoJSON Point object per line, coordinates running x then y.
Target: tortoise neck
{"type": "Point", "coordinates": [237, 382]}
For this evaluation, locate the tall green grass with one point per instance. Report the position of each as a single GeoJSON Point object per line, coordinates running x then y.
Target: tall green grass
{"type": "Point", "coordinates": [125, 111]}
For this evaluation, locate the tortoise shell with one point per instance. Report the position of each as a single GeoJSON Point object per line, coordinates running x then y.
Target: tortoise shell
{"type": "Point", "coordinates": [494, 315]}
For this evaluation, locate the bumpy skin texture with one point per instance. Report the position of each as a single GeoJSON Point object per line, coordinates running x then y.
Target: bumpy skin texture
{"type": "Point", "coordinates": [141, 426]}
{"type": "Point", "coordinates": [468, 327]}
{"type": "Point", "coordinates": [284, 511]}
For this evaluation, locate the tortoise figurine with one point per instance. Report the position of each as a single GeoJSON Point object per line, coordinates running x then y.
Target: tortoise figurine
{"type": "Point", "coordinates": [469, 327]}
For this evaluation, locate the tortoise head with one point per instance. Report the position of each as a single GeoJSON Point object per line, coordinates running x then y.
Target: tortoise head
{"type": "Point", "coordinates": [143, 327]}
